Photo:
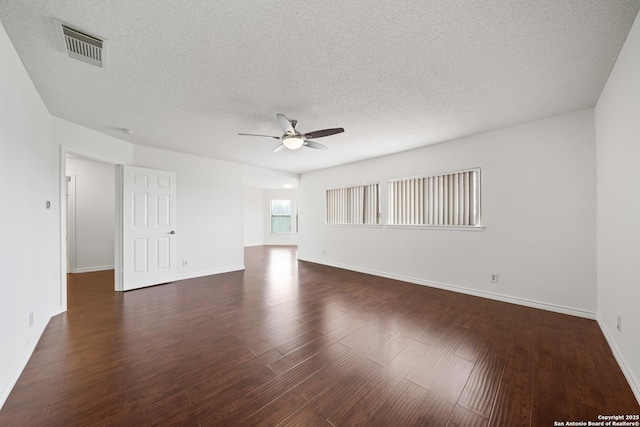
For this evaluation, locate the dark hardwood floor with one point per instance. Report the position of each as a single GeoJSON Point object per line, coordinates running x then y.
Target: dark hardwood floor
{"type": "Point", "coordinates": [299, 344]}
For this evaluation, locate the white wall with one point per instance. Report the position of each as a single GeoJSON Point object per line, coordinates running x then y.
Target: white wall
{"type": "Point", "coordinates": [94, 214]}
{"type": "Point", "coordinates": [618, 155]}
{"type": "Point", "coordinates": [281, 238]}
{"type": "Point", "coordinates": [91, 144]}
{"type": "Point", "coordinates": [210, 210]}
{"type": "Point", "coordinates": [253, 216]}
{"type": "Point", "coordinates": [27, 267]}
{"type": "Point", "coordinates": [538, 207]}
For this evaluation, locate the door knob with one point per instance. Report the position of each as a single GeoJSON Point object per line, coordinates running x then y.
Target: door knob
{"type": "Point", "coordinates": [172, 232]}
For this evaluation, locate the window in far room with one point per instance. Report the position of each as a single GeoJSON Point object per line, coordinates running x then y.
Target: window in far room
{"type": "Point", "coordinates": [281, 213]}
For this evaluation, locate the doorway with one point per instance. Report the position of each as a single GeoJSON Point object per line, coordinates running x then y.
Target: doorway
{"type": "Point", "coordinates": [90, 216]}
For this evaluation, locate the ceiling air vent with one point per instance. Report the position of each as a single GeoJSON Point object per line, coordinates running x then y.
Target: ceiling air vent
{"type": "Point", "coordinates": [82, 45]}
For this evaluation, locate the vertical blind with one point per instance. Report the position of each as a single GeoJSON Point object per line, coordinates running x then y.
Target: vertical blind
{"type": "Point", "coordinates": [353, 205]}
{"type": "Point", "coordinates": [448, 199]}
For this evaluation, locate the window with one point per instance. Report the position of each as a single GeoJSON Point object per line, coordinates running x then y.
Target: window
{"type": "Point", "coordinates": [281, 216]}
{"type": "Point", "coordinates": [353, 205]}
{"type": "Point", "coordinates": [451, 199]}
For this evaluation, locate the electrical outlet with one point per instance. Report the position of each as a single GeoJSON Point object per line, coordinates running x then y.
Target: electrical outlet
{"type": "Point", "coordinates": [30, 318]}
{"type": "Point", "coordinates": [619, 326]}
{"type": "Point", "coordinates": [493, 278]}
{"type": "Point", "coordinates": [185, 263]}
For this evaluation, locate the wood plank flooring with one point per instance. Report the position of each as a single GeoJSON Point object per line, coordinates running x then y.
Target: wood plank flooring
{"type": "Point", "coordinates": [288, 343]}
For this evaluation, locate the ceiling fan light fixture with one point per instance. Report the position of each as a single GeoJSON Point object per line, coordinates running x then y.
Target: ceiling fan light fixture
{"type": "Point", "coordinates": [293, 142]}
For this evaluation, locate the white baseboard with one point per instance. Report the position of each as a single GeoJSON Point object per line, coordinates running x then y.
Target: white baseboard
{"type": "Point", "coordinates": [92, 269]}
{"type": "Point", "coordinates": [56, 311]}
{"type": "Point", "coordinates": [209, 272]}
{"type": "Point", "coordinates": [22, 362]}
{"type": "Point", "coordinates": [448, 287]}
{"type": "Point", "coordinates": [634, 383]}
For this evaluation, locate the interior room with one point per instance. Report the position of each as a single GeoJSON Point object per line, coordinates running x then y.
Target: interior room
{"type": "Point", "coordinates": [312, 204]}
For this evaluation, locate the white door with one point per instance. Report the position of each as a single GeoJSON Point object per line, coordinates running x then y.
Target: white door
{"type": "Point", "coordinates": [149, 251]}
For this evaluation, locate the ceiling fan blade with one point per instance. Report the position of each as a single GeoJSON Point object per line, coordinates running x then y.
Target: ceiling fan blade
{"type": "Point", "coordinates": [316, 145]}
{"type": "Point", "coordinates": [278, 148]}
{"type": "Point", "coordinates": [285, 123]}
{"type": "Point", "coordinates": [265, 136]}
{"type": "Point", "coordinates": [323, 132]}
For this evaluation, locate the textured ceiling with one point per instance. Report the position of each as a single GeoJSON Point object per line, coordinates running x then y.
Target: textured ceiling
{"type": "Point", "coordinates": [189, 75]}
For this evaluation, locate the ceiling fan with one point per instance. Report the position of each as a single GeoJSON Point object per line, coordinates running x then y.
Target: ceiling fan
{"type": "Point", "coordinates": [293, 139]}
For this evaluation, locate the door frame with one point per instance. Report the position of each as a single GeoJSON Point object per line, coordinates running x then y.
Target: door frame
{"type": "Point", "coordinates": [71, 223]}
{"type": "Point", "coordinates": [118, 243]}
{"type": "Point", "coordinates": [62, 189]}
